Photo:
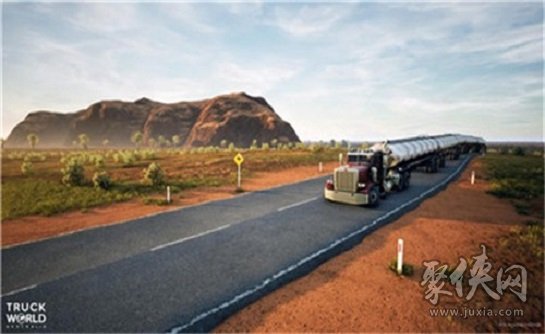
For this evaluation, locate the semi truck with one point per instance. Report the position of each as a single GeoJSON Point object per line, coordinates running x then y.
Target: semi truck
{"type": "Point", "coordinates": [371, 174]}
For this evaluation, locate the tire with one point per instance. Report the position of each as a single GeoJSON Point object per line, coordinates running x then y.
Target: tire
{"type": "Point", "coordinates": [401, 185]}
{"type": "Point", "coordinates": [434, 165]}
{"type": "Point", "coordinates": [406, 180]}
{"type": "Point", "coordinates": [374, 197]}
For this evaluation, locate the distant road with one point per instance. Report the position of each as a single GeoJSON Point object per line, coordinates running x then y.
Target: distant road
{"type": "Point", "coordinates": [188, 269]}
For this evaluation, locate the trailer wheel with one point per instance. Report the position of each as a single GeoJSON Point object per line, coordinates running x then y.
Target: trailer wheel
{"type": "Point", "coordinates": [373, 197]}
{"type": "Point", "coordinates": [434, 165]}
{"type": "Point", "coordinates": [406, 180]}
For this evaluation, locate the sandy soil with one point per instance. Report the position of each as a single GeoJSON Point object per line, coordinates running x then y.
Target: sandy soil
{"type": "Point", "coordinates": [356, 292]}
{"type": "Point", "coordinates": [20, 230]}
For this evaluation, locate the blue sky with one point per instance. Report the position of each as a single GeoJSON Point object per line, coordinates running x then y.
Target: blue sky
{"type": "Point", "coordinates": [353, 71]}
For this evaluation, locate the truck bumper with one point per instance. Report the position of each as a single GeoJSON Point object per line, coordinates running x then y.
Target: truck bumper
{"type": "Point", "coordinates": [345, 197]}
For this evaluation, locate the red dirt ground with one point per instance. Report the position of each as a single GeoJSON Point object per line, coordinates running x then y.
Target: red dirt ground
{"type": "Point", "coordinates": [31, 228]}
{"type": "Point", "coordinates": [356, 292]}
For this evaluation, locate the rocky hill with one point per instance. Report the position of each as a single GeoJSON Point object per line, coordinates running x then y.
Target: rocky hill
{"type": "Point", "coordinates": [237, 118]}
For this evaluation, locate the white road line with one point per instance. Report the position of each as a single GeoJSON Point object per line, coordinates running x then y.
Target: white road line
{"type": "Point", "coordinates": [30, 287]}
{"type": "Point", "coordinates": [179, 241]}
{"type": "Point", "coordinates": [297, 204]}
{"type": "Point", "coordinates": [335, 243]}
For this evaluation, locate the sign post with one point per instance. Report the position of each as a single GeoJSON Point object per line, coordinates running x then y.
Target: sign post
{"type": "Point", "coordinates": [238, 159]}
{"type": "Point", "coordinates": [472, 177]}
{"type": "Point", "coordinates": [340, 159]}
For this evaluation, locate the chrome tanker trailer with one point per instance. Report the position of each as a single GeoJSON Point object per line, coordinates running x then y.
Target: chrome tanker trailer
{"type": "Point", "coordinates": [385, 167]}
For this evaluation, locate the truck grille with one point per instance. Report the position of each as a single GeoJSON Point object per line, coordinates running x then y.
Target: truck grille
{"type": "Point", "coordinates": [346, 180]}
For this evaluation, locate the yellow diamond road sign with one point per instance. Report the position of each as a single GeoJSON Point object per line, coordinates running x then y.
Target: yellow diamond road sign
{"type": "Point", "coordinates": [238, 159]}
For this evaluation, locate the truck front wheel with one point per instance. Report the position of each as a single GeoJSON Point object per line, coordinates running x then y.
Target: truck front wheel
{"type": "Point", "coordinates": [373, 196]}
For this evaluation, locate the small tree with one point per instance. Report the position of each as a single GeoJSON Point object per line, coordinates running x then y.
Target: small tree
{"type": "Point", "coordinates": [254, 144]}
{"type": "Point", "coordinates": [176, 140]}
{"type": "Point", "coordinates": [231, 147]}
{"type": "Point", "coordinates": [162, 140]}
{"type": "Point", "coordinates": [32, 139]}
{"type": "Point", "coordinates": [105, 142]}
{"type": "Point", "coordinates": [223, 143]}
{"type": "Point", "coordinates": [73, 173]}
{"type": "Point", "coordinates": [153, 175]}
{"type": "Point", "coordinates": [265, 146]}
{"type": "Point", "coordinates": [136, 138]}
{"type": "Point", "coordinates": [274, 142]}
{"type": "Point", "coordinates": [83, 141]}
{"type": "Point", "coordinates": [152, 142]}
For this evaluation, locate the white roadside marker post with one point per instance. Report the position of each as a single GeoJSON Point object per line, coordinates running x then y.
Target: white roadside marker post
{"type": "Point", "coordinates": [320, 167]}
{"type": "Point", "coordinates": [399, 256]}
{"type": "Point", "coordinates": [472, 177]}
{"type": "Point", "coordinates": [340, 159]}
{"type": "Point", "coordinates": [168, 194]}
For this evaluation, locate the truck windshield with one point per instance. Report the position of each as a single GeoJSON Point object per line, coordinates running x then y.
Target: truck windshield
{"type": "Point", "coordinates": [357, 158]}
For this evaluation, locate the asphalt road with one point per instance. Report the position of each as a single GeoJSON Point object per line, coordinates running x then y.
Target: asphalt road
{"type": "Point", "coordinates": [188, 269]}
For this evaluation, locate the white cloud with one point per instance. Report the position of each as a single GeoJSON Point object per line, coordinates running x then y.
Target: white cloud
{"type": "Point", "coordinates": [531, 52]}
{"type": "Point", "coordinates": [255, 79]}
{"type": "Point", "coordinates": [103, 17]}
{"type": "Point", "coordinates": [309, 19]}
{"type": "Point", "coordinates": [190, 16]}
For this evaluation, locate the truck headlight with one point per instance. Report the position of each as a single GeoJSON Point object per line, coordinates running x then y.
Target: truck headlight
{"type": "Point", "coordinates": [361, 185]}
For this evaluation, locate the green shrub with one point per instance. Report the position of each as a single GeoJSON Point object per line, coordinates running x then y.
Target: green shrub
{"type": "Point", "coordinates": [73, 173]}
{"type": "Point", "coordinates": [153, 175]}
{"type": "Point", "coordinates": [148, 154]}
{"type": "Point", "coordinates": [26, 168]}
{"type": "Point", "coordinates": [128, 158]}
{"type": "Point", "coordinates": [30, 196]}
{"type": "Point", "coordinates": [102, 180]}
{"type": "Point", "coordinates": [99, 161]}
{"type": "Point", "coordinates": [519, 151]}
{"type": "Point", "coordinates": [155, 201]}
{"type": "Point", "coordinates": [35, 157]}
{"type": "Point", "coordinates": [406, 269]}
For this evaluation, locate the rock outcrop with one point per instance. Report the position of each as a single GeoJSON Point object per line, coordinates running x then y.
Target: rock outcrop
{"type": "Point", "coordinates": [237, 118]}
